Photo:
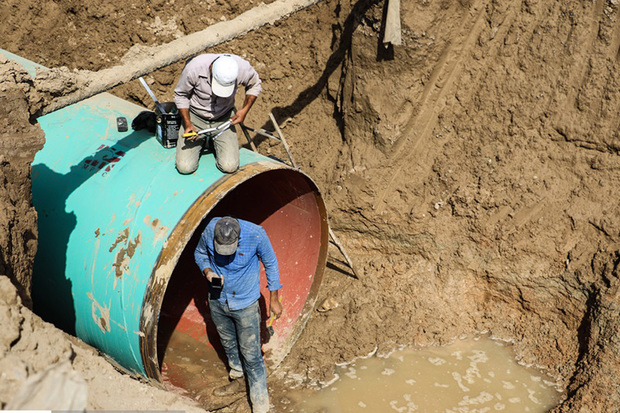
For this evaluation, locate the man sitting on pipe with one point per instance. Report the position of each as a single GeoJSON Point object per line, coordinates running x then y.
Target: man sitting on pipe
{"type": "Point", "coordinates": [228, 254]}
{"type": "Point", "coordinates": [205, 98]}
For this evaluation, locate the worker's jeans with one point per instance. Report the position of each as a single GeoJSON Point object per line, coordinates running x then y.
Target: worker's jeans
{"type": "Point", "coordinates": [239, 332]}
{"type": "Point", "coordinates": [226, 146]}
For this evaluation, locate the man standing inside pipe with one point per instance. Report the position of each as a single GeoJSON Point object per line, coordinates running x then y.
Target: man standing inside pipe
{"type": "Point", "coordinates": [205, 98]}
{"type": "Point", "coordinates": [228, 254]}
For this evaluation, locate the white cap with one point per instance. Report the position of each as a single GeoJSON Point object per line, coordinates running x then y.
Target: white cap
{"type": "Point", "coordinates": [224, 75]}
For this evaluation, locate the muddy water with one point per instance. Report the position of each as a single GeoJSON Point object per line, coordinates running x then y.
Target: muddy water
{"type": "Point", "coordinates": [467, 376]}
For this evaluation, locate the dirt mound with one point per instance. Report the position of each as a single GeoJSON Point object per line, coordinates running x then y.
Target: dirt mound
{"type": "Point", "coordinates": [36, 360]}
{"type": "Point", "coordinates": [472, 173]}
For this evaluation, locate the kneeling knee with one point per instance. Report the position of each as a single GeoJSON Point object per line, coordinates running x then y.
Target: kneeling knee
{"type": "Point", "coordinates": [185, 169]}
{"type": "Point", "coordinates": [227, 167]}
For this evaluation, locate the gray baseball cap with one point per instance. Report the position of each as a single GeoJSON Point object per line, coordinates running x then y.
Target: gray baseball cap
{"type": "Point", "coordinates": [226, 236]}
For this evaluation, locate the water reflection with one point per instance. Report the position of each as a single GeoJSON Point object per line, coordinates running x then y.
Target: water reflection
{"type": "Point", "coordinates": [469, 376]}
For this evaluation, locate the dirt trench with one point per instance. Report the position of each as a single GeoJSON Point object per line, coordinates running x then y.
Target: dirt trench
{"type": "Point", "coordinates": [472, 173]}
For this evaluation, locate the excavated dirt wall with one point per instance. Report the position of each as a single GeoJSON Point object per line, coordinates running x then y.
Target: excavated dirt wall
{"type": "Point", "coordinates": [472, 173]}
{"type": "Point", "coordinates": [19, 141]}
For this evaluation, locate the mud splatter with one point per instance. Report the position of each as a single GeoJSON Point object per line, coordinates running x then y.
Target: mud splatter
{"type": "Point", "coordinates": [121, 238]}
{"type": "Point", "coordinates": [156, 225]}
{"type": "Point", "coordinates": [101, 314]}
{"type": "Point", "coordinates": [124, 255]}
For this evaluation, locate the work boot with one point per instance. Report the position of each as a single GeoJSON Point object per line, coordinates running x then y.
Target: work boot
{"type": "Point", "coordinates": [234, 387]}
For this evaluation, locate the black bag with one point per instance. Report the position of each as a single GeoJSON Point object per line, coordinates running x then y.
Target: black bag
{"type": "Point", "coordinates": [145, 120]}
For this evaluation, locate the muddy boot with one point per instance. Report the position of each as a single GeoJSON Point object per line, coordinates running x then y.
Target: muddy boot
{"type": "Point", "coordinates": [234, 387]}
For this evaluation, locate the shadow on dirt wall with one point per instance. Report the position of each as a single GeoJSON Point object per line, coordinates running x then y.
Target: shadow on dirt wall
{"type": "Point", "coordinates": [343, 35]}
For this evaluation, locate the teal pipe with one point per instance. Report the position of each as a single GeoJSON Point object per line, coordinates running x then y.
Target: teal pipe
{"type": "Point", "coordinates": [117, 224]}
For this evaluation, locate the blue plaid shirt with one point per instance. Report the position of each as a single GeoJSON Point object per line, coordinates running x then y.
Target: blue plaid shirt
{"type": "Point", "coordinates": [241, 270]}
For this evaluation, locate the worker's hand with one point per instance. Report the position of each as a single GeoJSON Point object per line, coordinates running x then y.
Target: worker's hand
{"type": "Point", "coordinates": [238, 117]}
{"type": "Point", "coordinates": [210, 275]}
{"type": "Point", "coordinates": [275, 308]}
{"type": "Point", "coordinates": [190, 133]}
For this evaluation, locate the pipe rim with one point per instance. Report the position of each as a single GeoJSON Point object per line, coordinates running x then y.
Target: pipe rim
{"type": "Point", "coordinates": [176, 243]}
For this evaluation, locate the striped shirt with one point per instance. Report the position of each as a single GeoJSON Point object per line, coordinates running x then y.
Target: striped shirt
{"type": "Point", "coordinates": [241, 270]}
{"type": "Point", "coordinates": [193, 91]}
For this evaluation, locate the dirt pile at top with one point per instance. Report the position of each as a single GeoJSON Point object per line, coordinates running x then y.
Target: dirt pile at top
{"type": "Point", "coordinates": [472, 173]}
{"type": "Point", "coordinates": [44, 368]}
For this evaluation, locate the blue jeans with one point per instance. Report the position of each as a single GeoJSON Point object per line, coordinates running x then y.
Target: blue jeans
{"type": "Point", "coordinates": [239, 332]}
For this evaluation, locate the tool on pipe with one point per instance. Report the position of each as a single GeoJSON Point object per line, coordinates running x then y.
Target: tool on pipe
{"type": "Point", "coordinates": [220, 129]}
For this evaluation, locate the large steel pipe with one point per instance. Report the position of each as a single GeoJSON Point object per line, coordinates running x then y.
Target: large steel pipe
{"type": "Point", "coordinates": [117, 230]}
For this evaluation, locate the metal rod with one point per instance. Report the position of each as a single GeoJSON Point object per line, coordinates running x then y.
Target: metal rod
{"type": "Point", "coordinates": [158, 105]}
{"type": "Point", "coordinates": [288, 152]}
{"type": "Point", "coordinates": [247, 136]}
{"type": "Point", "coordinates": [262, 132]}
{"type": "Point", "coordinates": [342, 251]}
{"type": "Point", "coordinates": [279, 132]}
